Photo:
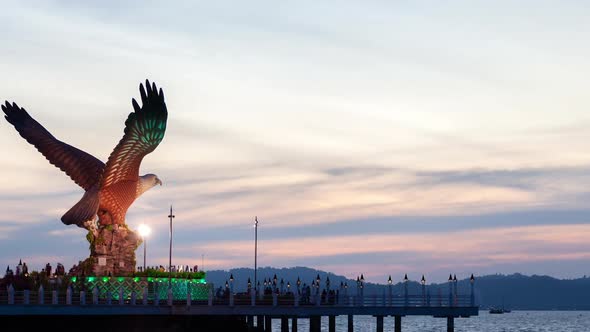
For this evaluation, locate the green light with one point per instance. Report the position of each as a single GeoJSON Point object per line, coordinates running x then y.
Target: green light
{"type": "Point", "coordinates": [136, 279]}
{"type": "Point", "coordinates": [120, 279]}
{"type": "Point", "coordinates": [91, 279]}
{"type": "Point", "coordinates": [150, 279]}
{"type": "Point", "coordinates": [74, 279]}
{"type": "Point", "coordinates": [105, 279]}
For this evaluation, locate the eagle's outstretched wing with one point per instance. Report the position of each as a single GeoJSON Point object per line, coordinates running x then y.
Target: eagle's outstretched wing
{"type": "Point", "coordinates": [144, 130]}
{"type": "Point", "coordinates": [80, 166]}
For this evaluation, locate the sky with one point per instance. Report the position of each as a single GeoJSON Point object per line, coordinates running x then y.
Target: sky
{"type": "Point", "coordinates": [373, 137]}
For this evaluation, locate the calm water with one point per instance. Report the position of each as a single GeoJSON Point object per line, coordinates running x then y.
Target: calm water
{"type": "Point", "coordinates": [517, 321]}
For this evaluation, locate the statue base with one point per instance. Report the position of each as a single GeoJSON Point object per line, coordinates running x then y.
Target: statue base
{"type": "Point", "coordinates": [112, 251]}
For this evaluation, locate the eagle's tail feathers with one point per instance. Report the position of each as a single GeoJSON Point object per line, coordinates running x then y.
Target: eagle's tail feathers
{"type": "Point", "coordinates": [84, 210]}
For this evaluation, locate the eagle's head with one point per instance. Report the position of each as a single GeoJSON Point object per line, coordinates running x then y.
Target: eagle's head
{"type": "Point", "coordinates": [146, 182]}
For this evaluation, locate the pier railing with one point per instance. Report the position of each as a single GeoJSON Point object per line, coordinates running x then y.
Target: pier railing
{"type": "Point", "coordinates": [40, 296]}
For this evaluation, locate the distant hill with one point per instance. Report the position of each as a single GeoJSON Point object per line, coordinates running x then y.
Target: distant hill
{"type": "Point", "coordinates": [515, 291]}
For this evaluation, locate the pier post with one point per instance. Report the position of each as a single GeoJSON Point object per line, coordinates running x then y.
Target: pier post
{"type": "Point", "coordinates": [10, 294]}
{"type": "Point", "coordinates": [54, 297]}
{"type": "Point", "coordinates": [133, 297]}
{"type": "Point", "coordinates": [379, 323]}
{"type": "Point", "coordinates": [294, 324]}
{"type": "Point", "coordinates": [121, 296]}
{"type": "Point", "coordinates": [40, 295]}
{"type": "Point", "coordinates": [284, 324]}
{"type": "Point", "coordinates": [144, 301]}
{"type": "Point", "coordinates": [315, 323]}
{"type": "Point", "coordinates": [332, 323]}
{"type": "Point", "coordinates": [210, 297]}
{"type": "Point", "coordinates": [189, 300]}
{"type": "Point", "coordinates": [170, 298]}
{"type": "Point", "coordinates": [260, 322]}
{"type": "Point", "coordinates": [109, 298]}
{"type": "Point", "coordinates": [296, 300]}
{"type": "Point", "coordinates": [397, 325]}
{"type": "Point", "coordinates": [69, 295]}
{"type": "Point", "coordinates": [250, 321]}
{"type": "Point", "coordinates": [350, 323]}
{"type": "Point", "coordinates": [95, 295]}
{"type": "Point", "coordinates": [253, 297]}
{"type": "Point", "coordinates": [82, 298]}
{"type": "Point", "coordinates": [231, 299]}
{"type": "Point", "coordinates": [450, 324]}
{"type": "Point", "coordinates": [156, 297]}
{"type": "Point", "coordinates": [274, 299]}
{"type": "Point", "coordinates": [267, 323]}
{"type": "Point", "coordinates": [26, 296]}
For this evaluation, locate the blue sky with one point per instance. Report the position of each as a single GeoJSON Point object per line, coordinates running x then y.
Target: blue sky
{"type": "Point", "coordinates": [374, 137]}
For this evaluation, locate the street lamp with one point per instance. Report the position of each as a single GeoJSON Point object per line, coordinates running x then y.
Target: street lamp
{"type": "Point", "coordinates": [144, 231]}
{"type": "Point", "coordinates": [423, 282]}
{"type": "Point", "coordinates": [406, 300]}
{"type": "Point", "coordinates": [472, 297]}
{"type": "Point", "coordinates": [171, 216]}
{"type": "Point", "coordinates": [255, 251]}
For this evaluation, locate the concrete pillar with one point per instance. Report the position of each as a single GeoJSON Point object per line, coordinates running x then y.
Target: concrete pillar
{"type": "Point", "coordinates": [379, 323]}
{"type": "Point", "coordinates": [133, 297]}
{"type": "Point", "coordinates": [231, 299]}
{"type": "Point", "coordinates": [210, 297]}
{"type": "Point", "coordinates": [332, 323]}
{"type": "Point", "coordinates": [109, 298]}
{"type": "Point", "coordinates": [275, 300]}
{"type": "Point", "coordinates": [397, 326]}
{"type": "Point", "coordinates": [350, 323]}
{"type": "Point", "coordinates": [95, 295]}
{"type": "Point", "coordinates": [82, 298]}
{"type": "Point", "coordinates": [54, 297]}
{"type": "Point", "coordinates": [267, 323]}
{"type": "Point", "coordinates": [450, 324]}
{"type": "Point", "coordinates": [284, 324]}
{"type": "Point", "coordinates": [156, 297]}
{"type": "Point", "coordinates": [294, 324]}
{"type": "Point", "coordinates": [252, 297]}
{"type": "Point", "coordinates": [315, 323]}
{"type": "Point", "coordinates": [189, 300]}
{"type": "Point", "coordinates": [26, 295]}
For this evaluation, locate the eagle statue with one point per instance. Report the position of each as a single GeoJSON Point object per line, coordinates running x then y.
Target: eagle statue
{"type": "Point", "coordinates": [111, 188]}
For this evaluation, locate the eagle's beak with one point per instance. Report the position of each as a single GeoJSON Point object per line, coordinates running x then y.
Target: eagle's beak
{"type": "Point", "coordinates": [159, 181]}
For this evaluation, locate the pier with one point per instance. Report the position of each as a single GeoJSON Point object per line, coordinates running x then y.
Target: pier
{"type": "Point", "coordinates": [255, 311]}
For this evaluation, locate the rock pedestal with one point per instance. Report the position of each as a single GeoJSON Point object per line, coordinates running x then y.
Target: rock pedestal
{"type": "Point", "coordinates": [112, 251]}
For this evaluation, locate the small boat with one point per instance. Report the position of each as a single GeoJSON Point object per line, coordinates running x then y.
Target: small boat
{"type": "Point", "coordinates": [496, 311]}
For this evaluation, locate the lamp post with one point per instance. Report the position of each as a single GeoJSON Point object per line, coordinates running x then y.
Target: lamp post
{"type": "Point", "coordinates": [423, 282]}
{"type": "Point", "coordinates": [255, 251]}
{"type": "Point", "coordinates": [406, 290]}
{"type": "Point", "coordinates": [144, 231]}
{"type": "Point", "coordinates": [389, 285]}
{"type": "Point", "coordinates": [171, 216]}
{"type": "Point", "coordinates": [471, 281]}
{"type": "Point", "coordinates": [450, 290]}
{"type": "Point", "coordinates": [454, 289]}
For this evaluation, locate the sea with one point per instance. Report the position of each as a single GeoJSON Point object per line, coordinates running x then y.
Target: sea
{"type": "Point", "coordinates": [514, 321]}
